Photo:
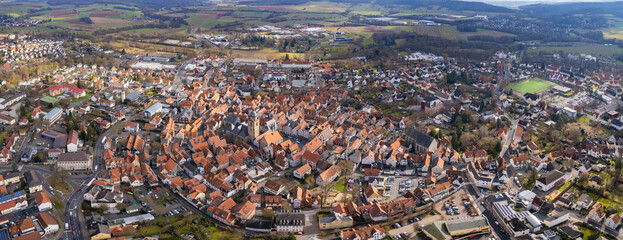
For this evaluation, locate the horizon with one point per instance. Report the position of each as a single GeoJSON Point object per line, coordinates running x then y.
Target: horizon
{"type": "Point", "coordinates": [517, 3]}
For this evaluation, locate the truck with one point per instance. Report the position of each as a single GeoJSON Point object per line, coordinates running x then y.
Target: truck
{"type": "Point", "coordinates": [66, 226]}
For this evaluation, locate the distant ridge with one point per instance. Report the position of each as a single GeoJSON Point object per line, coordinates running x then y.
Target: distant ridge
{"type": "Point", "coordinates": [449, 4]}
{"type": "Point", "coordinates": [614, 8]}
{"type": "Point", "coordinates": [138, 3]}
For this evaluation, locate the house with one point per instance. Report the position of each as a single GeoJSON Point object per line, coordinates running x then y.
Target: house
{"type": "Point", "coordinates": [33, 182]}
{"type": "Point", "coordinates": [72, 141]}
{"type": "Point", "coordinates": [13, 206]}
{"type": "Point", "coordinates": [328, 175]}
{"type": "Point", "coordinates": [29, 236]}
{"type": "Point", "coordinates": [131, 127]}
{"type": "Point", "coordinates": [244, 211]}
{"type": "Point", "coordinates": [371, 193]}
{"type": "Point", "coordinates": [571, 231]}
{"type": "Point", "coordinates": [43, 201]}
{"type": "Point", "coordinates": [290, 223]}
{"type": "Point", "coordinates": [596, 214]}
{"type": "Point", "coordinates": [273, 201]}
{"type": "Point", "coordinates": [369, 232]}
{"type": "Point", "coordinates": [302, 171]}
{"type": "Point", "coordinates": [583, 202]}
{"type": "Point", "coordinates": [47, 222]}
{"type": "Point", "coordinates": [26, 225]}
{"type": "Point", "coordinates": [613, 221]}
{"type": "Point", "coordinates": [273, 187]}
{"type": "Point", "coordinates": [335, 221]}
{"type": "Point", "coordinates": [550, 180]}
{"type": "Point", "coordinates": [100, 232]}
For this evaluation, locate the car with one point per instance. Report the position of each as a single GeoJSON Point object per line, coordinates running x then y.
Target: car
{"type": "Point", "coordinates": [184, 208]}
{"type": "Point", "coordinates": [176, 201]}
{"type": "Point", "coordinates": [153, 196]}
{"type": "Point", "coordinates": [156, 188]}
{"type": "Point", "coordinates": [164, 204]}
{"type": "Point", "coordinates": [73, 228]}
{"type": "Point", "coordinates": [78, 189]}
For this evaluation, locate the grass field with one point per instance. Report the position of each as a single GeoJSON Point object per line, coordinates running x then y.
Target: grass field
{"type": "Point", "coordinates": [266, 53]}
{"type": "Point", "coordinates": [597, 50]}
{"type": "Point", "coordinates": [340, 185]}
{"type": "Point", "coordinates": [532, 86]}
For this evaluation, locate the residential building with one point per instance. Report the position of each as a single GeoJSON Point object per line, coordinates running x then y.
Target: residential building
{"type": "Point", "coordinates": [290, 223]}
{"type": "Point", "coordinates": [335, 221]}
{"type": "Point", "coordinates": [33, 182]}
{"type": "Point", "coordinates": [328, 175]}
{"type": "Point", "coordinates": [550, 180]}
{"type": "Point", "coordinates": [47, 222]}
{"type": "Point", "coordinates": [75, 161]}
{"type": "Point", "coordinates": [369, 232]}
{"type": "Point", "coordinates": [43, 201]}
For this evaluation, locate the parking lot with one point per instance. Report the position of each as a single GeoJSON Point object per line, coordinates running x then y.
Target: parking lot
{"type": "Point", "coordinates": [158, 201]}
{"type": "Point", "coordinates": [396, 186]}
{"type": "Point", "coordinates": [457, 205]}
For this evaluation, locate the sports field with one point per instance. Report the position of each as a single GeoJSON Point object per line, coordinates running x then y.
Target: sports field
{"type": "Point", "coordinates": [532, 86]}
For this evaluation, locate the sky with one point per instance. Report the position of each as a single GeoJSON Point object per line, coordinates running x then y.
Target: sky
{"type": "Point", "coordinates": [514, 3]}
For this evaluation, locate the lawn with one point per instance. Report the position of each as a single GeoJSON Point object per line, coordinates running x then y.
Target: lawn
{"type": "Point", "coordinates": [86, 96]}
{"type": "Point", "coordinates": [584, 120]}
{"type": "Point", "coordinates": [532, 86]}
{"type": "Point", "coordinates": [57, 203]}
{"type": "Point", "coordinates": [58, 184]}
{"type": "Point", "coordinates": [340, 185]}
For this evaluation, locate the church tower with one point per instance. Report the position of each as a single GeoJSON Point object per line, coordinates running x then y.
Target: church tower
{"type": "Point", "coordinates": [254, 125]}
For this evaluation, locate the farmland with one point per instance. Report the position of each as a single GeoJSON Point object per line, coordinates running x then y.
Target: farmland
{"type": "Point", "coordinates": [597, 50]}
{"type": "Point", "coordinates": [532, 86]}
{"type": "Point", "coordinates": [448, 31]}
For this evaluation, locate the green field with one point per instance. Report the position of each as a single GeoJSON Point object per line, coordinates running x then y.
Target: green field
{"type": "Point", "coordinates": [596, 50]}
{"type": "Point", "coordinates": [532, 86]}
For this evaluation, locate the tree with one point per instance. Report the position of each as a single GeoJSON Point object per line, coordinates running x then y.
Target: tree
{"type": "Point", "coordinates": [583, 177]}
{"type": "Point", "coordinates": [38, 157]}
{"type": "Point", "coordinates": [14, 167]}
{"type": "Point", "coordinates": [346, 167]}
{"type": "Point", "coordinates": [60, 173]}
{"type": "Point", "coordinates": [498, 147]}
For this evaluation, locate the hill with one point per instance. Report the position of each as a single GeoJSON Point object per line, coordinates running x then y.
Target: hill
{"type": "Point", "coordinates": [585, 8]}
{"type": "Point", "coordinates": [447, 4]}
{"type": "Point", "coordinates": [155, 4]}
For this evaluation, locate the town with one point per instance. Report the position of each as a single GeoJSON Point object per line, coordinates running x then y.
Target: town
{"type": "Point", "coordinates": [143, 123]}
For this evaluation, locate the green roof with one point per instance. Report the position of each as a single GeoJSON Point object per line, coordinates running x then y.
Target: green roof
{"type": "Point", "coordinates": [436, 231]}
{"type": "Point", "coordinates": [50, 100]}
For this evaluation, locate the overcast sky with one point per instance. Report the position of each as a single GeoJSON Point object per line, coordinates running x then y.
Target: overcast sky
{"type": "Point", "coordinates": [524, 2]}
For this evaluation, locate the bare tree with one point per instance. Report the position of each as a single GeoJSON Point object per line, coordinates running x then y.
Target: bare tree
{"type": "Point", "coordinates": [60, 173]}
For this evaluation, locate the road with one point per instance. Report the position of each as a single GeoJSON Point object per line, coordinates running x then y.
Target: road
{"type": "Point", "coordinates": [73, 211]}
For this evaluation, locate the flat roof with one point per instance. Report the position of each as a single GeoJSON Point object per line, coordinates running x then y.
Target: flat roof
{"type": "Point", "coordinates": [52, 134]}
{"type": "Point", "coordinates": [462, 224]}
{"type": "Point", "coordinates": [436, 231]}
{"type": "Point", "coordinates": [52, 113]}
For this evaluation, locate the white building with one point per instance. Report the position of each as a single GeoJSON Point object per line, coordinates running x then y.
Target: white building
{"type": "Point", "coordinates": [550, 180]}
{"type": "Point", "coordinates": [153, 109]}
{"type": "Point", "coordinates": [290, 223]}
